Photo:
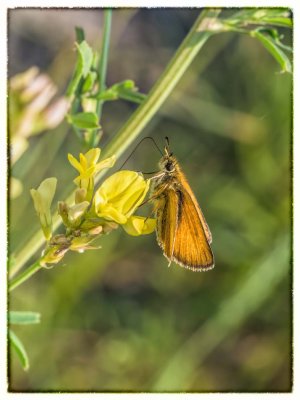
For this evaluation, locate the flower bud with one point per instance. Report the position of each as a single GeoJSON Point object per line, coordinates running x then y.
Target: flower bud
{"type": "Point", "coordinates": [80, 195]}
{"type": "Point", "coordinates": [42, 199]}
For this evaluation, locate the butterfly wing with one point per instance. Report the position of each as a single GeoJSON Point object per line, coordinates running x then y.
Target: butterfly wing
{"type": "Point", "coordinates": [180, 231]}
{"type": "Point", "coordinates": [191, 247]}
{"type": "Point", "coordinates": [166, 224]}
{"type": "Point", "coordinates": [187, 188]}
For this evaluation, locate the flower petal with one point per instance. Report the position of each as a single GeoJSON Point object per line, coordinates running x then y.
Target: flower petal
{"type": "Point", "coordinates": [78, 210]}
{"type": "Point", "coordinates": [120, 195]}
{"type": "Point", "coordinates": [43, 196]}
{"type": "Point", "coordinates": [76, 164]}
{"type": "Point", "coordinates": [106, 163]}
{"type": "Point", "coordinates": [92, 156]}
{"type": "Point", "coordinates": [118, 184]}
{"type": "Point", "coordinates": [137, 225]}
{"type": "Point", "coordinates": [112, 214]}
{"type": "Point", "coordinates": [136, 198]}
{"type": "Point", "coordinates": [83, 161]}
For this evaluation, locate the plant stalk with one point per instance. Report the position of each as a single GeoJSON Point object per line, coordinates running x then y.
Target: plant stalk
{"type": "Point", "coordinates": [103, 63]}
{"type": "Point", "coordinates": [35, 267]}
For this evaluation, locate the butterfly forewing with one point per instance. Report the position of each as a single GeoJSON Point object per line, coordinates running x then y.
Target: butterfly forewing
{"type": "Point", "coordinates": [191, 247]}
{"type": "Point", "coordinates": [188, 189]}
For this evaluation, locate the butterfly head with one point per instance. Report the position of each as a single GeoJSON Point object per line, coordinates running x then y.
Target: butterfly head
{"type": "Point", "coordinates": [168, 161]}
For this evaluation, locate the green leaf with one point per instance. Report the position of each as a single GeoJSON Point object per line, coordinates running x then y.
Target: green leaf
{"type": "Point", "coordinates": [84, 120]}
{"type": "Point", "coordinates": [19, 349]}
{"type": "Point", "coordinates": [83, 66]}
{"type": "Point", "coordinates": [89, 82]}
{"type": "Point", "coordinates": [274, 50]}
{"type": "Point", "coordinates": [128, 91]}
{"type": "Point", "coordinates": [24, 317]}
{"type": "Point", "coordinates": [86, 54]}
{"type": "Point", "coordinates": [262, 16]}
{"type": "Point", "coordinates": [127, 85]}
{"type": "Point", "coordinates": [79, 34]}
{"type": "Point", "coordinates": [135, 97]}
{"type": "Point", "coordinates": [275, 37]}
{"type": "Point", "coordinates": [125, 90]}
{"type": "Point", "coordinates": [107, 95]}
{"type": "Point", "coordinates": [279, 21]}
{"type": "Point", "coordinates": [96, 58]}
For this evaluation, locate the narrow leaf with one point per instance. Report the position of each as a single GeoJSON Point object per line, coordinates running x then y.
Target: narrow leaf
{"type": "Point", "coordinates": [279, 21]}
{"type": "Point", "coordinates": [134, 97]}
{"type": "Point", "coordinates": [283, 46]}
{"type": "Point", "coordinates": [84, 120]}
{"type": "Point", "coordinates": [19, 349]}
{"type": "Point", "coordinates": [126, 90]}
{"type": "Point", "coordinates": [273, 49]}
{"type": "Point", "coordinates": [268, 16]}
{"type": "Point", "coordinates": [79, 34]}
{"type": "Point", "coordinates": [86, 54]}
{"type": "Point", "coordinates": [24, 317]}
{"type": "Point", "coordinates": [275, 37]}
{"type": "Point", "coordinates": [107, 95]}
{"type": "Point", "coordinates": [128, 84]}
{"type": "Point", "coordinates": [83, 66]}
{"type": "Point", "coordinates": [75, 79]}
{"type": "Point", "coordinates": [89, 82]}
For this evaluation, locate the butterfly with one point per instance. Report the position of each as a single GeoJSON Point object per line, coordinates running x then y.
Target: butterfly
{"type": "Point", "coordinates": [181, 229]}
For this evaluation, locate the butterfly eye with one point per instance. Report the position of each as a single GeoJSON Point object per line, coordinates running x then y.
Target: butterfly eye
{"type": "Point", "coordinates": [169, 166]}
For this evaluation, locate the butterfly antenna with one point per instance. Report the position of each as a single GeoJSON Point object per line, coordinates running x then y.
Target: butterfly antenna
{"type": "Point", "coordinates": [167, 146]}
{"type": "Point", "coordinates": [146, 137]}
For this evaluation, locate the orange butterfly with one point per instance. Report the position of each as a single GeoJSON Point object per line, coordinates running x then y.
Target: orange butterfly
{"type": "Point", "coordinates": [181, 229]}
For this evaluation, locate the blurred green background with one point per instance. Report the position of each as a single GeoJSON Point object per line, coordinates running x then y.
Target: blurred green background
{"type": "Point", "coordinates": [118, 319]}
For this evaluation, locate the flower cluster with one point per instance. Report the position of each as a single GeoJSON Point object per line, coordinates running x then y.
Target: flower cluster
{"type": "Point", "coordinates": [33, 108]}
{"type": "Point", "coordinates": [94, 212]}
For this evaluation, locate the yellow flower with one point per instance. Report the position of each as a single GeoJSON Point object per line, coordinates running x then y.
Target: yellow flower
{"type": "Point", "coordinates": [120, 195]}
{"type": "Point", "coordinates": [42, 199]}
{"type": "Point", "coordinates": [88, 167]}
{"type": "Point", "coordinates": [72, 215]}
{"type": "Point", "coordinates": [137, 225]}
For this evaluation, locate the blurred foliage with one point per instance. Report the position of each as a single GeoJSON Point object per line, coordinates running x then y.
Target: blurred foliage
{"type": "Point", "coordinates": [118, 319]}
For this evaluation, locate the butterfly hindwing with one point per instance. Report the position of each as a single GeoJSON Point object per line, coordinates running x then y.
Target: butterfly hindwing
{"type": "Point", "coordinates": [167, 214]}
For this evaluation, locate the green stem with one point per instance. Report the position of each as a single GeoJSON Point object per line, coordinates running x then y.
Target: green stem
{"type": "Point", "coordinates": [25, 275]}
{"type": "Point", "coordinates": [200, 32]}
{"type": "Point", "coordinates": [103, 62]}
{"type": "Point", "coordinates": [74, 108]}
